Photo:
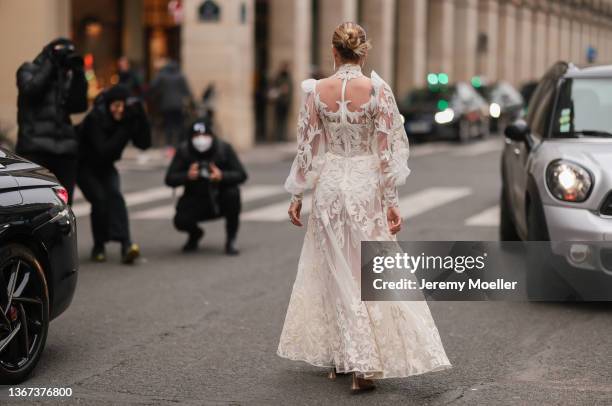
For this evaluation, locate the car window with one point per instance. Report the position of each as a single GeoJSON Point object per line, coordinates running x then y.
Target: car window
{"type": "Point", "coordinates": [540, 105]}
{"type": "Point", "coordinates": [583, 109]}
{"type": "Point", "coordinates": [539, 113]}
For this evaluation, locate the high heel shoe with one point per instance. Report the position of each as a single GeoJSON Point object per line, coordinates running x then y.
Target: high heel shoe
{"type": "Point", "coordinates": [332, 374]}
{"type": "Point", "coordinates": [361, 384]}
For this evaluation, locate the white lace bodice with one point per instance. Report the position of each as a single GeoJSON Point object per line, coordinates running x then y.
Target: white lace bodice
{"type": "Point", "coordinates": [373, 128]}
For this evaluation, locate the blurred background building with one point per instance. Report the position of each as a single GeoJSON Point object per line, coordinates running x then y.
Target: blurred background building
{"type": "Point", "coordinates": [240, 45]}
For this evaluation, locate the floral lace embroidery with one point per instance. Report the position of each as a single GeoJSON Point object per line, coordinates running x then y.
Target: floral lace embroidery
{"type": "Point", "coordinates": [354, 161]}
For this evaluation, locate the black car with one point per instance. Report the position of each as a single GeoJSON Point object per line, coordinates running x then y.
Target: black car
{"type": "Point", "coordinates": [446, 111]}
{"type": "Point", "coordinates": [505, 104]}
{"type": "Point", "coordinates": [38, 262]}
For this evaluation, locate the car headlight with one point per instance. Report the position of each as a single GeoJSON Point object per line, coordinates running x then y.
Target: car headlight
{"type": "Point", "coordinates": [494, 110]}
{"type": "Point", "coordinates": [568, 181]}
{"type": "Point", "coordinates": [445, 116]}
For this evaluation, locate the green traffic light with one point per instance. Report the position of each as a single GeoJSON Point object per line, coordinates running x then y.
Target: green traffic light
{"type": "Point", "coordinates": [432, 79]}
{"type": "Point", "coordinates": [443, 78]}
{"type": "Point", "coordinates": [442, 104]}
{"type": "Point", "coordinates": [476, 81]}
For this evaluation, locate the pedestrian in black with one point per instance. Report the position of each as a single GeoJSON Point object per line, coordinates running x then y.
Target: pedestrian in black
{"type": "Point", "coordinates": [128, 76]}
{"type": "Point", "coordinates": [211, 173]}
{"type": "Point", "coordinates": [114, 120]}
{"type": "Point", "coordinates": [170, 93]}
{"type": "Point", "coordinates": [282, 92]}
{"type": "Point", "coordinates": [51, 88]}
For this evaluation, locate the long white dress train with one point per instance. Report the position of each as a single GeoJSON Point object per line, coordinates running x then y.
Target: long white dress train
{"type": "Point", "coordinates": [353, 160]}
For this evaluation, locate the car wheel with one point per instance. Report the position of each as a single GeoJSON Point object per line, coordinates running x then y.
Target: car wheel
{"type": "Point", "coordinates": [463, 133]}
{"type": "Point", "coordinates": [507, 229]}
{"type": "Point", "coordinates": [543, 282]}
{"type": "Point", "coordinates": [24, 308]}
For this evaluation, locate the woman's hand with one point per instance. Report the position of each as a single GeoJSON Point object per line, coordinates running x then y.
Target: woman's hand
{"type": "Point", "coordinates": [294, 212]}
{"type": "Point", "coordinates": [394, 219]}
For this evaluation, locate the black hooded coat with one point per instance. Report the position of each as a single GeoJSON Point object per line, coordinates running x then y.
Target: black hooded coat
{"type": "Point", "coordinates": [103, 139]}
{"type": "Point", "coordinates": [50, 89]}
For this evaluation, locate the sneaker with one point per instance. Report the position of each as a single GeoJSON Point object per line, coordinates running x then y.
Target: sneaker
{"type": "Point", "coordinates": [193, 241]}
{"type": "Point", "coordinates": [129, 254]}
{"type": "Point", "coordinates": [98, 254]}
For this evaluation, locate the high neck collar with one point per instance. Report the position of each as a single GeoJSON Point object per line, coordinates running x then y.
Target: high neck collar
{"type": "Point", "coordinates": [348, 71]}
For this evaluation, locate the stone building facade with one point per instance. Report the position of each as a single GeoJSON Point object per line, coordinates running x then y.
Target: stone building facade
{"type": "Point", "coordinates": [512, 40]}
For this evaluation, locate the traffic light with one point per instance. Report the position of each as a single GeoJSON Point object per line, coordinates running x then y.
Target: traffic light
{"type": "Point", "coordinates": [432, 79]}
{"type": "Point", "coordinates": [442, 104]}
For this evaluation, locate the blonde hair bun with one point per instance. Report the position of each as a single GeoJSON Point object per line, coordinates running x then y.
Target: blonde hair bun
{"type": "Point", "coordinates": [350, 41]}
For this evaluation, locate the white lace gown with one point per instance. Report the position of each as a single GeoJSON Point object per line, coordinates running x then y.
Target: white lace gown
{"type": "Point", "coordinates": [353, 159]}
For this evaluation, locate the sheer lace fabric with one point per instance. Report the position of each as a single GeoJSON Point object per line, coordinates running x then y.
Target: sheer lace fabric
{"type": "Point", "coordinates": [353, 158]}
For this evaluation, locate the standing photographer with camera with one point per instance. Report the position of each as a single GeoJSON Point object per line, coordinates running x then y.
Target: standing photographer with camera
{"type": "Point", "coordinates": [115, 119]}
{"type": "Point", "coordinates": [211, 173]}
{"type": "Point", "coordinates": [51, 88]}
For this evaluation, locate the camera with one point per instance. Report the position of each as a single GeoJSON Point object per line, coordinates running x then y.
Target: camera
{"type": "Point", "coordinates": [203, 167]}
{"type": "Point", "coordinates": [73, 61]}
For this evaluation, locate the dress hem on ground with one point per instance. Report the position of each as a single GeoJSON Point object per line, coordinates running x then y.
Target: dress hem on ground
{"type": "Point", "coordinates": [366, 374]}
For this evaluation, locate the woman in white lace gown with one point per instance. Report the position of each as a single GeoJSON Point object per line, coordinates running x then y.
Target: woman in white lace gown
{"type": "Point", "coordinates": [353, 153]}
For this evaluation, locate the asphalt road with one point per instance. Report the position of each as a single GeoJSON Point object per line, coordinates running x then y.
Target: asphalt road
{"type": "Point", "coordinates": [203, 328]}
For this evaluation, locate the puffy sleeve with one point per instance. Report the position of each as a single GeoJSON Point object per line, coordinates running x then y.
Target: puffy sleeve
{"type": "Point", "coordinates": [390, 142]}
{"type": "Point", "coordinates": [309, 160]}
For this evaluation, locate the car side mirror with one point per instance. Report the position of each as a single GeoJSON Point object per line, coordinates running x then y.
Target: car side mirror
{"type": "Point", "coordinates": [518, 131]}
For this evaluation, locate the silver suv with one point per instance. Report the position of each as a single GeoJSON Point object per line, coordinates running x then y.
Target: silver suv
{"type": "Point", "coordinates": [557, 180]}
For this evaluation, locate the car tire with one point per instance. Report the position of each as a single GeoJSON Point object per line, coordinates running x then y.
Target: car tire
{"type": "Point", "coordinates": [24, 302]}
{"type": "Point", "coordinates": [463, 131]}
{"type": "Point", "coordinates": [543, 282]}
{"type": "Point", "coordinates": [507, 229]}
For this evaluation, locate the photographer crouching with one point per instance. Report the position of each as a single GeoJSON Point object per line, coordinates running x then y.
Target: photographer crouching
{"type": "Point", "coordinates": [115, 120]}
{"type": "Point", "coordinates": [211, 173]}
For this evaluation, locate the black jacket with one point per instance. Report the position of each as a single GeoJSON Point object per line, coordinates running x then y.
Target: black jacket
{"type": "Point", "coordinates": [103, 139]}
{"type": "Point", "coordinates": [48, 95]}
{"type": "Point", "coordinates": [221, 153]}
{"type": "Point", "coordinates": [169, 89]}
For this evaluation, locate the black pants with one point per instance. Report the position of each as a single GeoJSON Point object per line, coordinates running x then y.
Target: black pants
{"type": "Point", "coordinates": [282, 118]}
{"type": "Point", "coordinates": [63, 167]}
{"type": "Point", "coordinates": [189, 212]}
{"type": "Point", "coordinates": [109, 216]}
{"type": "Point", "coordinates": [173, 126]}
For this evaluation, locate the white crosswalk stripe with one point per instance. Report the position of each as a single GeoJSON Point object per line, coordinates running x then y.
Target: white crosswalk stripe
{"type": "Point", "coordinates": [486, 218]}
{"type": "Point", "coordinates": [131, 199]}
{"type": "Point", "coordinates": [428, 199]}
{"type": "Point", "coordinates": [411, 205]}
{"type": "Point", "coordinates": [248, 194]}
{"type": "Point", "coordinates": [275, 212]}
{"type": "Point", "coordinates": [485, 147]}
